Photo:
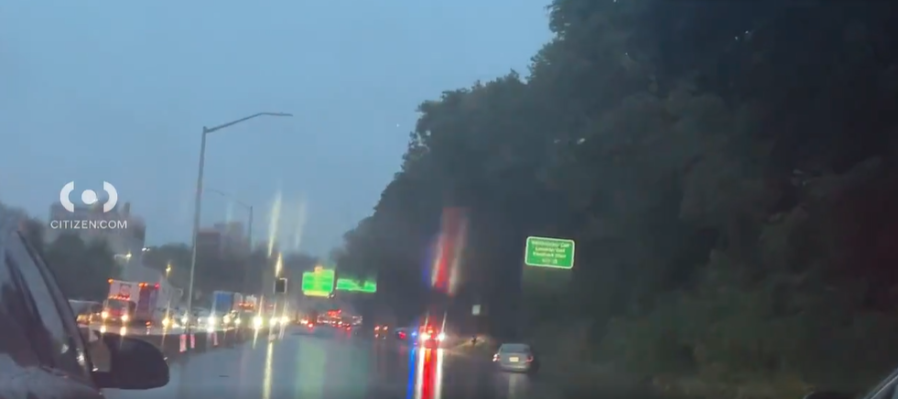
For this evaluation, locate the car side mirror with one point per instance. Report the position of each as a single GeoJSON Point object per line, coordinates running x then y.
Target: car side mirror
{"type": "Point", "coordinates": [827, 395]}
{"type": "Point", "coordinates": [133, 364]}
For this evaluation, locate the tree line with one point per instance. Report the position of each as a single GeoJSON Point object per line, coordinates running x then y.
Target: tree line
{"type": "Point", "coordinates": [727, 170]}
{"type": "Point", "coordinates": [83, 267]}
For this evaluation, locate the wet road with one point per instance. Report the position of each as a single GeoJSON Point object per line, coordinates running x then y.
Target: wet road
{"type": "Point", "coordinates": [338, 367]}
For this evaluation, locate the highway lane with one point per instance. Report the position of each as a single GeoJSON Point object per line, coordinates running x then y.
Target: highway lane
{"type": "Point", "coordinates": [332, 366]}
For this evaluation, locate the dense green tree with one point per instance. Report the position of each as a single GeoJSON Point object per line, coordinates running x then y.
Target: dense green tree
{"type": "Point", "coordinates": [81, 268]}
{"type": "Point", "coordinates": [726, 169]}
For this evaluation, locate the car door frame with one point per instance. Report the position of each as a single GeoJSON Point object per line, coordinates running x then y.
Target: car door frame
{"type": "Point", "coordinates": [64, 311]}
{"type": "Point", "coordinates": [886, 388]}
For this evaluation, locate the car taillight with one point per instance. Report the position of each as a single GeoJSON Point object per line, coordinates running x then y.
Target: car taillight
{"type": "Point", "coordinates": [529, 358]}
{"type": "Point", "coordinates": [496, 357]}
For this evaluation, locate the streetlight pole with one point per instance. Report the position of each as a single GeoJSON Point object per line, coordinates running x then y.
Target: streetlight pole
{"type": "Point", "coordinates": [199, 197]}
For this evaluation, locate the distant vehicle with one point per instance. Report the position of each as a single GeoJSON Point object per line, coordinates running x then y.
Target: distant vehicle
{"type": "Point", "coordinates": [153, 302]}
{"type": "Point", "coordinates": [87, 312]}
{"type": "Point", "coordinates": [121, 303]}
{"type": "Point", "coordinates": [132, 302]}
{"type": "Point", "coordinates": [429, 336]}
{"type": "Point", "coordinates": [308, 324]}
{"type": "Point", "coordinates": [223, 305]}
{"type": "Point", "coordinates": [248, 303]}
{"type": "Point", "coordinates": [381, 331]}
{"type": "Point", "coordinates": [406, 333]}
{"type": "Point", "coordinates": [45, 353]}
{"type": "Point", "coordinates": [516, 357]}
{"type": "Point", "coordinates": [177, 318]}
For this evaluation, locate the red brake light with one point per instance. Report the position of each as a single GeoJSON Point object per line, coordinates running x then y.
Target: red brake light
{"type": "Point", "coordinates": [530, 358]}
{"type": "Point", "coordinates": [157, 285]}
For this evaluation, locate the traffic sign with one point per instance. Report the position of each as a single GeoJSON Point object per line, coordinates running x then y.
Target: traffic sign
{"type": "Point", "coordinates": [347, 284]}
{"type": "Point", "coordinates": [280, 286]}
{"type": "Point", "coordinates": [548, 252]}
{"type": "Point", "coordinates": [319, 282]}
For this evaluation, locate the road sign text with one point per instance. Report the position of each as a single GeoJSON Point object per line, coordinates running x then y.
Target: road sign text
{"type": "Point", "coordinates": [549, 252]}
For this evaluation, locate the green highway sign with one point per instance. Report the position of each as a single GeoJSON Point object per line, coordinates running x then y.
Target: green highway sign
{"type": "Point", "coordinates": [319, 282]}
{"type": "Point", "coordinates": [554, 253]}
{"type": "Point", "coordinates": [348, 284]}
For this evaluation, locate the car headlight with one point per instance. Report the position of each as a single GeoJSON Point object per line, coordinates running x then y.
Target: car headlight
{"type": "Point", "coordinates": [237, 322]}
{"type": "Point", "coordinates": [211, 321]}
{"type": "Point", "coordinates": [425, 336]}
{"type": "Point", "coordinates": [226, 319]}
{"type": "Point", "coordinates": [285, 320]}
{"type": "Point", "coordinates": [166, 322]}
{"type": "Point", "coordinates": [257, 321]}
{"type": "Point", "coordinates": [184, 320]}
{"type": "Point", "coordinates": [104, 314]}
{"type": "Point", "coordinates": [125, 317]}
{"type": "Point", "coordinates": [441, 337]}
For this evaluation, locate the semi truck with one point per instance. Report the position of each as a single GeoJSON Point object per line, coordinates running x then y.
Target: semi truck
{"type": "Point", "coordinates": [139, 303]}
{"type": "Point", "coordinates": [248, 303]}
{"type": "Point", "coordinates": [120, 304]}
{"type": "Point", "coordinates": [232, 308]}
{"type": "Point", "coordinates": [222, 308]}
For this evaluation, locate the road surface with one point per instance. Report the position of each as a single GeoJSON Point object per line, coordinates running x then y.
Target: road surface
{"type": "Point", "coordinates": [337, 367]}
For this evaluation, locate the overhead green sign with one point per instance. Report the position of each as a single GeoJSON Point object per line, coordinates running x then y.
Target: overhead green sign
{"type": "Point", "coordinates": [554, 253]}
{"type": "Point", "coordinates": [351, 285]}
{"type": "Point", "coordinates": [319, 282]}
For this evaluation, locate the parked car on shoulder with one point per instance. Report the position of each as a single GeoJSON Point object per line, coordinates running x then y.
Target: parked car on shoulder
{"type": "Point", "coordinates": [516, 357]}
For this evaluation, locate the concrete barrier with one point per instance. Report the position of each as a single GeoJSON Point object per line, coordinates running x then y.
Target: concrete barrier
{"type": "Point", "coordinates": [175, 346]}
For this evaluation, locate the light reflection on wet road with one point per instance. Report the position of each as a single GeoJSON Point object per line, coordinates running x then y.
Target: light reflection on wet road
{"type": "Point", "coordinates": [337, 367]}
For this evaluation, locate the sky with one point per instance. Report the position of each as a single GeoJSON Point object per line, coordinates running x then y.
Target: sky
{"type": "Point", "coordinates": [118, 91]}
